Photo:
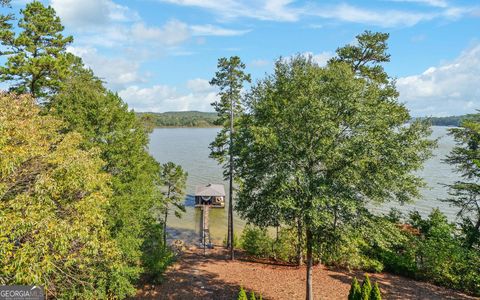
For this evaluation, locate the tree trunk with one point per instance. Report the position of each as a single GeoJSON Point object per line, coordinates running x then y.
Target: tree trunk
{"type": "Point", "coordinates": [230, 200]}
{"type": "Point", "coordinates": [165, 228]}
{"type": "Point", "coordinates": [300, 242]}
{"type": "Point", "coordinates": [309, 291]}
{"type": "Point", "coordinates": [165, 217]}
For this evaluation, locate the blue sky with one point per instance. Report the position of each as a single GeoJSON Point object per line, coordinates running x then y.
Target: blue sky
{"type": "Point", "coordinates": [160, 54]}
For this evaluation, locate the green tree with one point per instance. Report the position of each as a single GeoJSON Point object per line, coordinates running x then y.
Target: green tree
{"type": "Point", "coordinates": [366, 288]}
{"type": "Point", "coordinates": [5, 25]}
{"type": "Point", "coordinates": [53, 206]}
{"type": "Point", "coordinates": [366, 57]}
{"type": "Point", "coordinates": [37, 60]}
{"type": "Point", "coordinates": [465, 194]}
{"type": "Point", "coordinates": [317, 144]}
{"type": "Point", "coordinates": [375, 293]}
{"type": "Point", "coordinates": [355, 290]}
{"type": "Point", "coordinates": [174, 181]}
{"type": "Point", "coordinates": [252, 296]}
{"type": "Point", "coordinates": [229, 78]}
{"type": "Point", "coordinates": [106, 123]}
{"type": "Point", "coordinates": [242, 295]}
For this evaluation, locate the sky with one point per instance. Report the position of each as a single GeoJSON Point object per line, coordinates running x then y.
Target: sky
{"type": "Point", "coordinates": [159, 55]}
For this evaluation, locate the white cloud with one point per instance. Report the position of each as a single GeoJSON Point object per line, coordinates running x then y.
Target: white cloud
{"type": "Point", "coordinates": [285, 11]}
{"type": "Point", "coordinates": [204, 30]}
{"type": "Point", "coordinates": [383, 18]}
{"type": "Point", "coordinates": [276, 10]}
{"type": "Point", "coordinates": [449, 89]}
{"type": "Point", "coordinates": [259, 63]}
{"type": "Point", "coordinates": [91, 13]}
{"type": "Point", "coordinates": [321, 58]}
{"type": "Point", "coordinates": [118, 72]}
{"type": "Point", "coordinates": [199, 85]}
{"type": "Point", "coordinates": [161, 98]}
{"type": "Point", "coordinates": [172, 33]}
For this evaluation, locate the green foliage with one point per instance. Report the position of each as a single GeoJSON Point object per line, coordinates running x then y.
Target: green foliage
{"type": "Point", "coordinates": [360, 148]}
{"type": "Point", "coordinates": [174, 182]}
{"type": "Point", "coordinates": [285, 246]}
{"type": "Point", "coordinates": [178, 119]}
{"type": "Point", "coordinates": [155, 256]}
{"type": "Point", "coordinates": [355, 290]}
{"type": "Point", "coordinates": [256, 242]}
{"type": "Point", "coordinates": [465, 194]}
{"type": "Point", "coordinates": [236, 241]}
{"type": "Point", "coordinates": [5, 25]}
{"type": "Point", "coordinates": [441, 256]}
{"type": "Point", "coordinates": [242, 295]}
{"type": "Point", "coordinates": [375, 294]}
{"type": "Point", "coordinates": [252, 296]}
{"type": "Point", "coordinates": [53, 206]}
{"type": "Point", "coordinates": [366, 288]}
{"type": "Point", "coordinates": [363, 246]}
{"type": "Point", "coordinates": [455, 121]}
{"type": "Point", "coordinates": [104, 119]}
{"type": "Point", "coordinates": [37, 60]}
{"type": "Point", "coordinates": [229, 79]}
{"type": "Point", "coordinates": [367, 55]}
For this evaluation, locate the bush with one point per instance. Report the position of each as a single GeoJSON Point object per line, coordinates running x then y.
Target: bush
{"type": "Point", "coordinates": [366, 288]}
{"type": "Point", "coordinates": [256, 242]}
{"type": "Point", "coordinates": [242, 295]}
{"type": "Point", "coordinates": [366, 292]}
{"type": "Point", "coordinates": [236, 243]}
{"type": "Point", "coordinates": [375, 294]}
{"type": "Point", "coordinates": [284, 248]}
{"type": "Point", "coordinates": [442, 258]}
{"type": "Point", "coordinates": [355, 290]}
{"type": "Point", "coordinates": [156, 257]}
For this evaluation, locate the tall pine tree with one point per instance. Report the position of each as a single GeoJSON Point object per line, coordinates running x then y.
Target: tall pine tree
{"type": "Point", "coordinates": [173, 180]}
{"type": "Point", "coordinates": [229, 79]}
{"type": "Point", "coordinates": [37, 60]}
{"type": "Point", "coordinates": [465, 193]}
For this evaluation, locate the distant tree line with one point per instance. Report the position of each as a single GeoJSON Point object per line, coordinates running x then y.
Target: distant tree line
{"type": "Point", "coordinates": [178, 119]}
{"type": "Point", "coordinates": [454, 121]}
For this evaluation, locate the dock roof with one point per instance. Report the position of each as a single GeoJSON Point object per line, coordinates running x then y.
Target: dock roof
{"type": "Point", "coordinates": [210, 189]}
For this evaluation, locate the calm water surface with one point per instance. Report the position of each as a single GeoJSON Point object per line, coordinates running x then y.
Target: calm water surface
{"type": "Point", "coordinates": [188, 147]}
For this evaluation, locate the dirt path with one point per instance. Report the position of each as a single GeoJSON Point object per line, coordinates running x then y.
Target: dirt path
{"type": "Point", "coordinates": [213, 277]}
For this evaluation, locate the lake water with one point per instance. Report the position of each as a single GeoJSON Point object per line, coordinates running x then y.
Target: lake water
{"type": "Point", "coordinates": [188, 147]}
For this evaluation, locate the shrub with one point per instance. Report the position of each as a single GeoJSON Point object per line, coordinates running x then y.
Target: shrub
{"type": "Point", "coordinates": [366, 288]}
{"type": "Point", "coordinates": [242, 295]}
{"type": "Point", "coordinates": [236, 243]}
{"type": "Point", "coordinates": [375, 293]}
{"type": "Point", "coordinates": [252, 296]}
{"type": "Point", "coordinates": [255, 241]}
{"type": "Point", "coordinates": [156, 257]}
{"type": "Point", "coordinates": [284, 248]}
{"type": "Point", "coordinates": [355, 290]}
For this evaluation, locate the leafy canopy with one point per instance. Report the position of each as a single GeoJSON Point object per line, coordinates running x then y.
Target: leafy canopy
{"type": "Point", "coordinates": [53, 203]}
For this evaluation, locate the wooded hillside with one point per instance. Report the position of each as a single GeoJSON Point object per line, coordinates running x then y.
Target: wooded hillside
{"type": "Point", "coordinates": [179, 119]}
